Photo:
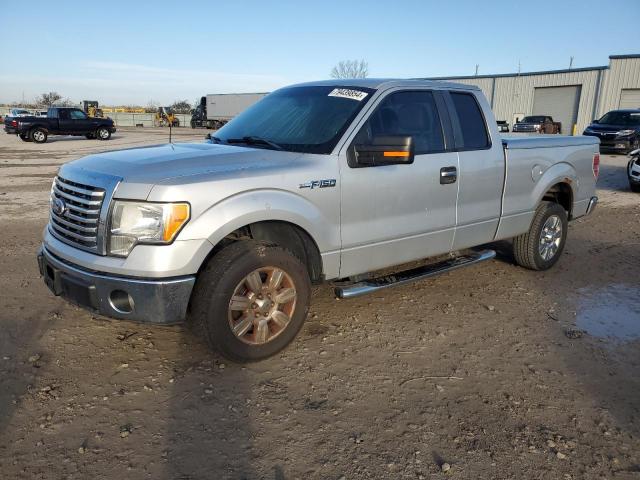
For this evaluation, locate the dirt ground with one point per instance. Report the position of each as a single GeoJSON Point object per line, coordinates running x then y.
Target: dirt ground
{"type": "Point", "coordinates": [491, 372]}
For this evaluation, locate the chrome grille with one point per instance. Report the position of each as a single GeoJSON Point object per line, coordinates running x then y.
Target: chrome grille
{"type": "Point", "coordinates": [75, 213]}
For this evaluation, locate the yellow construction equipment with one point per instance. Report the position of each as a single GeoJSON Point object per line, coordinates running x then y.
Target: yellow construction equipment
{"type": "Point", "coordinates": [90, 107]}
{"type": "Point", "coordinates": [165, 117]}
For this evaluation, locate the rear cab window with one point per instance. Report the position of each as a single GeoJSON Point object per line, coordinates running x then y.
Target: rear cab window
{"type": "Point", "coordinates": [471, 129]}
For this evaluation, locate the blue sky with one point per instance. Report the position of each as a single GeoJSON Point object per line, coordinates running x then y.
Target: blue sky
{"type": "Point", "coordinates": [137, 51]}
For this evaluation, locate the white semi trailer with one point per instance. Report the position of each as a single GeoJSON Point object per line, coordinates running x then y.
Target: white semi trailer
{"type": "Point", "coordinates": [217, 109]}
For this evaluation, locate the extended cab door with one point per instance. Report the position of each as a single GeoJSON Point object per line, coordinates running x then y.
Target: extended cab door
{"type": "Point", "coordinates": [481, 168]}
{"type": "Point", "coordinates": [392, 214]}
{"type": "Point", "coordinates": [74, 121]}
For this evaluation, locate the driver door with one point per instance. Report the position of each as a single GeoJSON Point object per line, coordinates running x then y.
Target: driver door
{"type": "Point", "coordinates": [393, 214]}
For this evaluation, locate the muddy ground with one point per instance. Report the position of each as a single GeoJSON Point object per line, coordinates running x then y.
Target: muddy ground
{"type": "Point", "coordinates": [495, 371]}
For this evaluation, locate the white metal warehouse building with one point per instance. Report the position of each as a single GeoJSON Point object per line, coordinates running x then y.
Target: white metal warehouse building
{"type": "Point", "coordinates": [573, 97]}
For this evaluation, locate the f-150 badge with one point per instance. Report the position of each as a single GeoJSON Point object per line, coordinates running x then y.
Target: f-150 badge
{"type": "Point", "coordinates": [331, 182]}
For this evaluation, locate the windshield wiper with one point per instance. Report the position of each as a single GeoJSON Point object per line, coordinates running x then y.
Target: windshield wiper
{"type": "Point", "coordinates": [253, 140]}
{"type": "Point", "coordinates": [215, 139]}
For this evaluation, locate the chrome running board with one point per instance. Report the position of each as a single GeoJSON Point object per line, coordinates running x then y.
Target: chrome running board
{"type": "Point", "coordinates": [373, 285]}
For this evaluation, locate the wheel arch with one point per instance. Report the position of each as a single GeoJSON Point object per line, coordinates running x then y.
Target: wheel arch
{"type": "Point", "coordinates": [562, 194]}
{"type": "Point", "coordinates": [559, 184]}
{"type": "Point", "coordinates": [282, 233]}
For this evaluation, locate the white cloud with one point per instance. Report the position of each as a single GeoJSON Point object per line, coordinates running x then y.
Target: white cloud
{"type": "Point", "coordinates": [123, 83]}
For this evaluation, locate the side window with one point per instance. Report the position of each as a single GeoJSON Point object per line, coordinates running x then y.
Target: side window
{"type": "Point", "coordinates": [406, 113]}
{"type": "Point", "coordinates": [77, 115]}
{"type": "Point", "coordinates": [472, 124]}
{"type": "Point", "coordinates": [63, 114]}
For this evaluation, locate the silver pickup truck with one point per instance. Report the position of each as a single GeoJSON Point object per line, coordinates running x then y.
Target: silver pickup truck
{"type": "Point", "coordinates": [323, 181]}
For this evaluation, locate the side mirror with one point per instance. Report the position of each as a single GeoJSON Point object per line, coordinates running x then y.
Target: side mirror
{"type": "Point", "coordinates": [384, 150]}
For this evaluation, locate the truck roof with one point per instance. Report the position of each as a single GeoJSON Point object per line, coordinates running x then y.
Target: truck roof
{"type": "Point", "coordinates": [377, 83]}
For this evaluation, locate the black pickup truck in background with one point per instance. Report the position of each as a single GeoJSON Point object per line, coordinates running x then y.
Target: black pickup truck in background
{"type": "Point", "coordinates": [59, 121]}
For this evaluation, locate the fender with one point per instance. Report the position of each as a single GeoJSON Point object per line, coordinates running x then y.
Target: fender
{"type": "Point", "coordinates": [252, 206]}
{"type": "Point", "coordinates": [559, 173]}
{"type": "Point", "coordinates": [519, 205]}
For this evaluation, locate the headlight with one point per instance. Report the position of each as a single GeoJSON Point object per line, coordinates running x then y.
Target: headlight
{"type": "Point", "coordinates": [588, 130]}
{"type": "Point", "coordinates": [624, 133]}
{"type": "Point", "coordinates": [143, 222]}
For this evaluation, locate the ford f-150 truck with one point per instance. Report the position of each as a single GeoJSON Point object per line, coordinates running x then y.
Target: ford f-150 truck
{"type": "Point", "coordinates": [59, 121]}
{"type": "Point", "coordinates": [324, 181]}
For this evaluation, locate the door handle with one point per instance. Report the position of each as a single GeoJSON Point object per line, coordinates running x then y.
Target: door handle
{"type": "Point", "coordinates": [448, 175]}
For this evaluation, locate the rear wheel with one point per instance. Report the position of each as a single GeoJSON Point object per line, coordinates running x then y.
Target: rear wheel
{"type": "Point", "coordinates": [103, 133]}
{"type": "Point", "coordinates": [541, 247]}
{"type": "Point", "coordinates": [251, 300]}
{"type": "Point", "coordinates": [24, 137]}
{"type": "Point", "coordinates": [38, 135]}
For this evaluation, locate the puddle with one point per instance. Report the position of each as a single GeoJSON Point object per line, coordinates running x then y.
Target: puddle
{"type": "Point", "coordinates": [612, 312]}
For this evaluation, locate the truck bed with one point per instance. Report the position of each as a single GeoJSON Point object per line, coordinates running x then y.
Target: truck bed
{"type": "Point", "coordinates": [533, 163]}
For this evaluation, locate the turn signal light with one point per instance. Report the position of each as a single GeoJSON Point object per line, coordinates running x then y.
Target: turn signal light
{"type": "Point", "coordinates": [177, 215]}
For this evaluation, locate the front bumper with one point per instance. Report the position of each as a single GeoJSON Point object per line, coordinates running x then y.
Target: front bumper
{"type": "Point", "coordinates": [161, 301]}
{"type": "Point", "coordinates": [611, 143]}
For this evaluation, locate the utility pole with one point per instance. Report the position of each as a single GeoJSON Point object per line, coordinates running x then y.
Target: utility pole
{"type": "Point", "coordinates": [477, 66]}
{"type": "Point", "coordinates": [519, 66]}
{"type": "Point", "coordinates": [570, 62]}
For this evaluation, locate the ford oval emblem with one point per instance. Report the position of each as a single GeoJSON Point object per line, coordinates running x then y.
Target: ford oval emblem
{"type": "Point", "coordinates": [59, 207]}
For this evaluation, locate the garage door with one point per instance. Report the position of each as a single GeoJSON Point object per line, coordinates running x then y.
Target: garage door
{"type": "Point", "coordinates": [630, 98]}
{"type": "Point", "coordinates": [559, 102]}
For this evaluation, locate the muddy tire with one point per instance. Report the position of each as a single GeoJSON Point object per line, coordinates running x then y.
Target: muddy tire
{"type": "Point", "coordinates": [24, 137]}
{"type": "Point", "coordinates": [541, 247]}
{"type": "Point", "coordinates": [251, 300]}
{"type": "Point", "coordinates": [38, 135]}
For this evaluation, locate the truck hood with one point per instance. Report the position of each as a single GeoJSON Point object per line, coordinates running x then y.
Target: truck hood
{"type": "Point", "coordinates": [142, 168]}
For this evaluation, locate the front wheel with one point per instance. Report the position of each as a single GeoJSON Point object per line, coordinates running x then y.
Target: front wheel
{"type": "Point", "coordinates": [541, 247]}
{"type": "Point", "coordinates": [103, 133]}
{"type": "Point", "coordinates": [251, 300]}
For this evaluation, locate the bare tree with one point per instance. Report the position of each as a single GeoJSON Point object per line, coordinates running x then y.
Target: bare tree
{"type": "Point", "coordinates": [65, 102]}
{"type": "Point", "coordinates": [181, 106]}
{"type": "Point", "coordinates": [350, 69]}
{"type": "Point", "coordinates": [48, 99]}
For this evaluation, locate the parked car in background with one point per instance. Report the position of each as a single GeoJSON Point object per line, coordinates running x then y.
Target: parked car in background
{"type": "Point", "coordinates": [633, 170]}
{"type": "Point", "coordinates": [537, 124]}
{"type": "Point", "coordinates": [618, 130]}
{"type": "Point", "coordinates": [59, 121]}
{"type": "Point", "coordinates": [320, 181]}
{"type": "Point", "coordinates": [503, 126]}
{"type": "Point", "coordinates": [19, 112]}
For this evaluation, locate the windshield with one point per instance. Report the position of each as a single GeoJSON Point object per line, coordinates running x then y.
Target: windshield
{"type": "Point", "coordinates": [298, 119]}
{"type": "Point", "coordinates": [627, 119]}
{"type": "Point", "coordinates": [533, 119]}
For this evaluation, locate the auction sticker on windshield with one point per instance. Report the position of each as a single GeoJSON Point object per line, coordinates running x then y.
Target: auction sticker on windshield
{"type": "Point", "coordinates": [348, 93]}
